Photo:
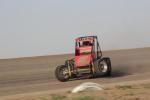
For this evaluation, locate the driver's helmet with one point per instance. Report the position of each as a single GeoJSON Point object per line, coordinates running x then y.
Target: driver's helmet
{"type": "Point", "coordinates": [87, 43]}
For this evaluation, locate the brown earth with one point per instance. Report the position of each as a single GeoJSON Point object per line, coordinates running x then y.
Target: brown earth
{"type": "Point", "coordinates": [36, 74]}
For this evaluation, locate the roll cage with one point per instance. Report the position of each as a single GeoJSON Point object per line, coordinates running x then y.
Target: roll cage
{"type": "Point", "coordinates": [93, 40]}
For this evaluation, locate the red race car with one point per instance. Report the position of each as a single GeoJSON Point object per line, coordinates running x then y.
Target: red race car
{"type": "Point", "coordinates": [88, 61]}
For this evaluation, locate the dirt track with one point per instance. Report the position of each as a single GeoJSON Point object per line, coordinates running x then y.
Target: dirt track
{"type": "Point", "coordinates": [27, 75]}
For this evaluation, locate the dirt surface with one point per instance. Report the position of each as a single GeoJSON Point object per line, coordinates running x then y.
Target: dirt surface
{"type": "Point", "coordinates": [36, 74]}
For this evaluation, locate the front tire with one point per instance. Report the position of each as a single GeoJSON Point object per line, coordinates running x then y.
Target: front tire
{"type": "Point", "coordinates": [62, 73]}
{"type": "Point", "coordinates": [104, 67]}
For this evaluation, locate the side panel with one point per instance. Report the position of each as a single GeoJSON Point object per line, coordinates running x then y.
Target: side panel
{"type": "Point", "coordinates": [82, 60]}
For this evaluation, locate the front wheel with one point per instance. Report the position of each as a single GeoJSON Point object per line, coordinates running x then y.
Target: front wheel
{"type": "Point", "coordinates": [62, 73]}
{"type": "Point", "coordinates": [104, 67]}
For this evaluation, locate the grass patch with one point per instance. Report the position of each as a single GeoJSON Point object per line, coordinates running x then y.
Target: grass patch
{"type": "Point", "coordinates": [136, 98]}
{"type": "Point", "coordinates": [101, 98]}
{"type": "Point", "coordinates": [83, 98]}
{"type": "Point", "coordinates": [146, 86]}
{"type": "Point", "coordinates": [108, 89]}
{"type": "Point", "coordinates": [68, 92]}
{"type": "Point", "coordinates": [58, 97]}
{"type": "Point", "coordinates": [130, 94]}
{"type": "Point", "coordinates": [125, 87]}
{"type": "Point", "coordinates": [43, 98]}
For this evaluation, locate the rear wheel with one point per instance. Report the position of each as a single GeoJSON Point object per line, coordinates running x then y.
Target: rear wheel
{"type": "Point", "coordinates": [62, 73]}
{"type": "Point", "coordinates": [104, 67]}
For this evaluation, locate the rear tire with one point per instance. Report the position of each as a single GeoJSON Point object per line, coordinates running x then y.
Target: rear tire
{"type": "Point", "coordinates": [104, 67]}
{"type": "Point", "coordinates": [62, 73]}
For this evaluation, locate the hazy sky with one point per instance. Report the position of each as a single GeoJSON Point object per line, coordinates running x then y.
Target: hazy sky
{"type": "Point", "coordinates": [41, 27]}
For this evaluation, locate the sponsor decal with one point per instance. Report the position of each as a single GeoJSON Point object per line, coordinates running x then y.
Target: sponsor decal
{"type": "Point", "coordinates": [82, 59]}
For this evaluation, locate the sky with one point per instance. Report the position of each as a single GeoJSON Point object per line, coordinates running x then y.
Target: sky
{"type": "Point", "coordinates": [47, 27]}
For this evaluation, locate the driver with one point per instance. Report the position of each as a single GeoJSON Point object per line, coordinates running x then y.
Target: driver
{"type": "Point", "coordinates": [87, 43]}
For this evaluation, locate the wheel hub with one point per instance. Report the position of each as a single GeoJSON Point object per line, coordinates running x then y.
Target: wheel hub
{"type": "Point", "coordinates": [103, 67]}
